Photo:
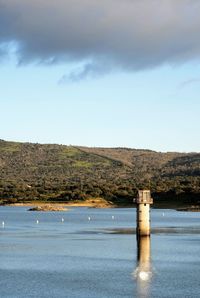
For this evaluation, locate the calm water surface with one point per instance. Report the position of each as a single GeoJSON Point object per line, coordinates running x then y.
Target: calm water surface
{"type": "Point", "coordinates": [98, 257]}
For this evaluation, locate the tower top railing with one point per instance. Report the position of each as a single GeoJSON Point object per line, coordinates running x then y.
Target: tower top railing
{"type": "Point", "coordinates": [144, 197]}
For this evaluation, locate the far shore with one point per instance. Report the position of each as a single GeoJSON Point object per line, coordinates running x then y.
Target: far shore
{"type": "Point", "coordinates": [102, 203]}
{"type": "Point", "coordinates": [92, 203]}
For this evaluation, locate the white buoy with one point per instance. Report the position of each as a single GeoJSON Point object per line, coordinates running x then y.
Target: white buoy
{"type": "Point", "coordinates": [3, 224]}
{"type": "Point", "coordinates": [37, 221]}
{"type": "Point", "coordinates": [113, 217]}
{"type": "Point", "coordinates": [62, 219]}
{"type": "Point", "coordinates": [89, 218]}
{"type": "Point", "coordinates": [163, 214]}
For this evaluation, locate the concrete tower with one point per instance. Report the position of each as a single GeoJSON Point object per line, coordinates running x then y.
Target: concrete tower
{"type": "Point", "coordinates": [143, 202]}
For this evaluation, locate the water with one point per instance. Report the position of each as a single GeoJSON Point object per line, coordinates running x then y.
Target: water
{"type": "Point", "coordinates": [97, 257]}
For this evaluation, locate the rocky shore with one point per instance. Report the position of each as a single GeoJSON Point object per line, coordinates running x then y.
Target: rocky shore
{"type": "Point", "coordinates": [47, 208]}
{"type": "Point", "coordinates": [191, 209]}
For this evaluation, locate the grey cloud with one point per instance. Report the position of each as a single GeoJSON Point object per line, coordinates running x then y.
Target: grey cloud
{"type": "Point", "coordinates": [113, 34]}
{"type": "Point", "coordinates": [189, 82]}
{"type": "Point", "coordinates": [87, 71]}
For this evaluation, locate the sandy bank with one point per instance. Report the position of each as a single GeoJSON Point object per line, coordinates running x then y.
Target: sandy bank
{"type": "Point", "coordinates": [92, 203]}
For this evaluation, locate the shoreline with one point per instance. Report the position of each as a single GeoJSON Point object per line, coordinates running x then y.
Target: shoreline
{"type": "Point", "coordinates": [90, 203]}
{"type": "Point", "coordinates": [101, 203]}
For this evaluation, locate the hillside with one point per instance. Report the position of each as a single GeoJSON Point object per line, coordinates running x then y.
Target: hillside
{"type": "Point", "coordinates": [66, 173]}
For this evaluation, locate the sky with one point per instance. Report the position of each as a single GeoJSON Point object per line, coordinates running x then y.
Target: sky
{"type": "Point", "coordinates": [107, 73]}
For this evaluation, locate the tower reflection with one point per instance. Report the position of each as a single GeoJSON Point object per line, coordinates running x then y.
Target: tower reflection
{"type": "Point", "coordinates": [143, 270]}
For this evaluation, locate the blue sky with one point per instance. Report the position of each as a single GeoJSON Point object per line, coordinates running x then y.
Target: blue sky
{"type": "Point", "coordinates": [156, 109]}
{"type": "Point", "coordinates": [153, 107]}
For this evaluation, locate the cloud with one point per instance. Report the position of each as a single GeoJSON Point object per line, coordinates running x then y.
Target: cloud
{"type": "Point", "coordinates": [189, 82]}
{"type": "Point", "coordinates": [112, 34]}
{"type": "Point", "coordinates": [87, 71]}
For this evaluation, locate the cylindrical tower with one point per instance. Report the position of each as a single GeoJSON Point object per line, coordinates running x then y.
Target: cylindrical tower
{"type": "Point", "coordinates": [143, 202]}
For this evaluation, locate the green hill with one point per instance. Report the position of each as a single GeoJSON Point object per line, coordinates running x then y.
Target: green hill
{"type": "Point", "coordinates": [64, 173]}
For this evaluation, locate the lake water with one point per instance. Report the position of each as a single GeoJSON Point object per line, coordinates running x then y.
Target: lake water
{"type": "Point", "coordinates": [98, 257]}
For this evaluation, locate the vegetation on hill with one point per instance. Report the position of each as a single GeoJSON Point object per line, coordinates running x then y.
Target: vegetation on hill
{"type": "Point", "coordinates": [66, 173]}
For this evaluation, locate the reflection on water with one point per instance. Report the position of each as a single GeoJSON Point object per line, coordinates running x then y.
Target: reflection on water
{"type": "Point", "coordinates": [143, 272]}
{"type": "Point", "coordinates": [80, 258]}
